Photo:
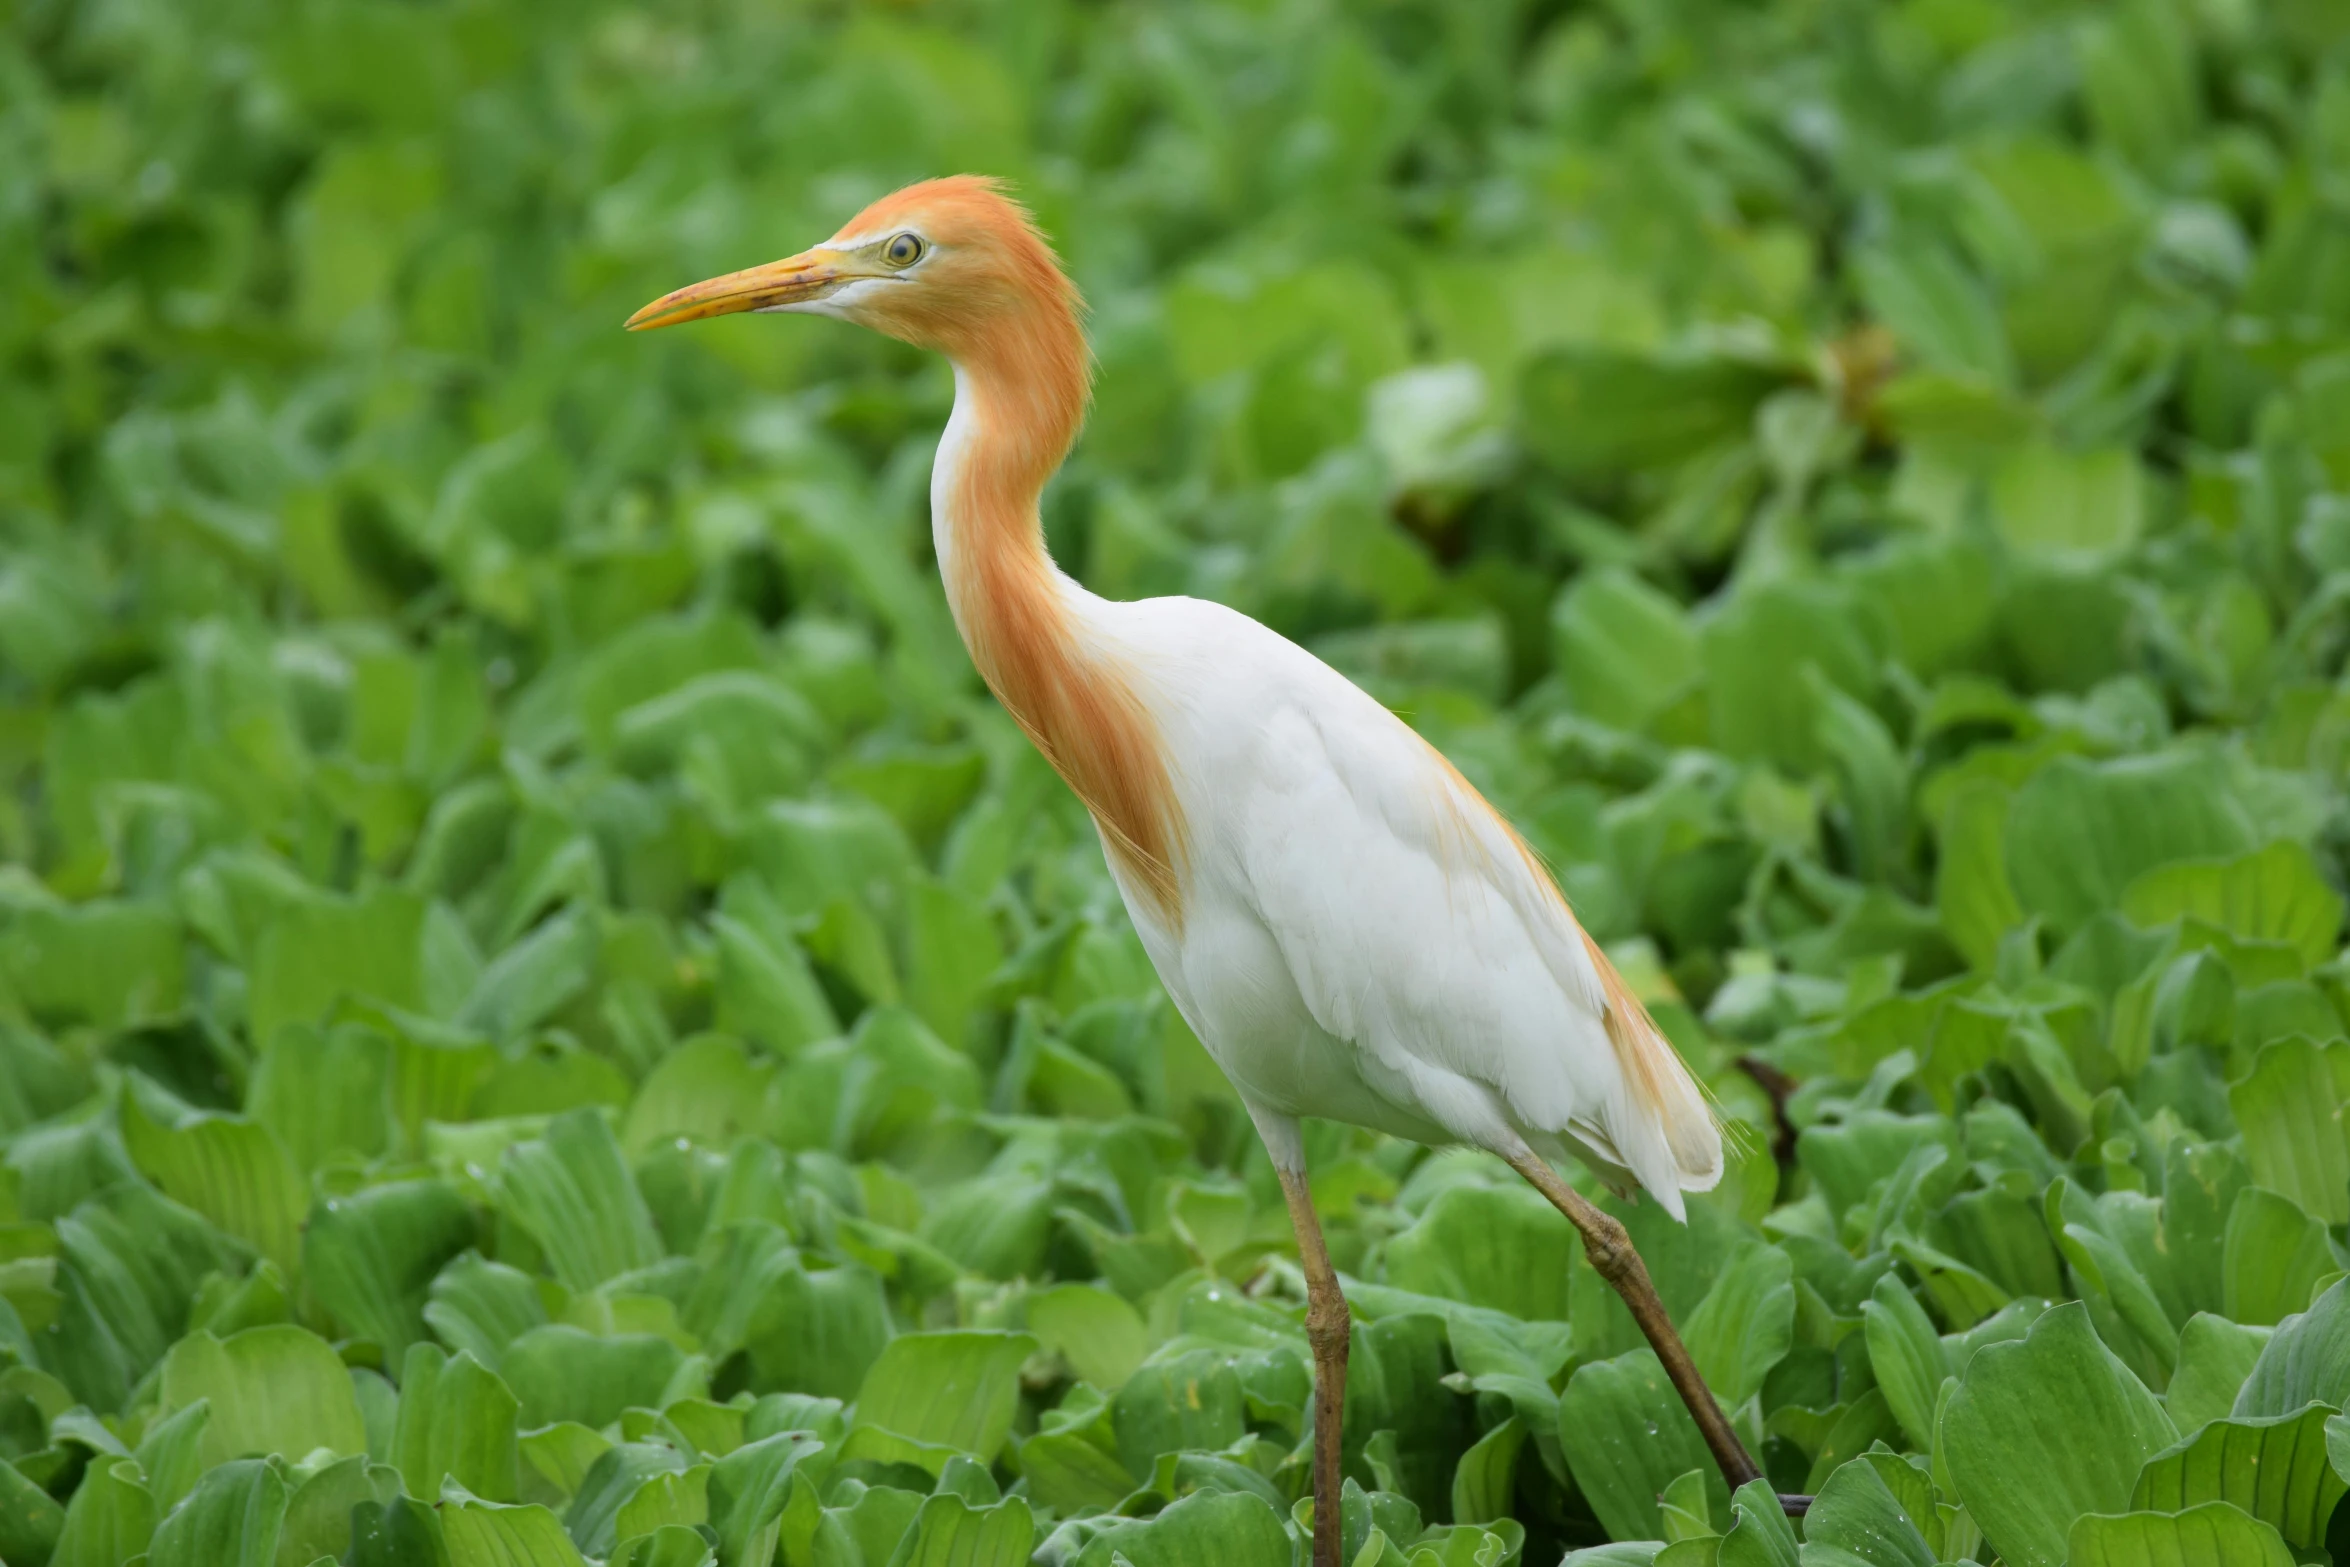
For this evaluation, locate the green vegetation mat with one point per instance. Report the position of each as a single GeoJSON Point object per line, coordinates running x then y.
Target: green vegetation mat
{"type": "Point", "coordinates": [544, 1017]}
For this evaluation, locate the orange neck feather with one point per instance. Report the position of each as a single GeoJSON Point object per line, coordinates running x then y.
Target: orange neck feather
{"type": "Point", "coordinates": [1022, 382]}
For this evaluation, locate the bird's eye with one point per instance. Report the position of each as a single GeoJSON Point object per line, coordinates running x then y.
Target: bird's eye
{"type": "Point", "coordinates": [903, 250]}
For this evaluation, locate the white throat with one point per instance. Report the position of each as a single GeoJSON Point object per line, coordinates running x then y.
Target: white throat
{"type": "Point", "coordinates": [946, 470]}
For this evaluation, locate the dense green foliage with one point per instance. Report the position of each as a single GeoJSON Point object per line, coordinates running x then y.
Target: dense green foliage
{"type": "Point", "coordinates": [544, 1017]}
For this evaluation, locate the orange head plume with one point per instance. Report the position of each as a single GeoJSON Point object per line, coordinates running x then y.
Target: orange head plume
{"type": "Point", "coordinates": [939, 264]}
{"type": "Point", "coordinates": [954, 265]}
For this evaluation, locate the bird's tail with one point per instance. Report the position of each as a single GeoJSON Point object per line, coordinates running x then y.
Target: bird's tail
{"type": "Point", "coordinates": [1662, 1124]}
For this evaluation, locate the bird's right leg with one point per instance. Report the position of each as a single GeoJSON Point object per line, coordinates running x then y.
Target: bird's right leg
{"type": "Point", "coordinates": [1326, 1331]}
{"type": "Point", "coordinates": [1614, 1259]}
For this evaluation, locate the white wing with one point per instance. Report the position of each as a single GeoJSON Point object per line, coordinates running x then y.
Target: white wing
{"type": "Point", "coordinates": [1419, 928]}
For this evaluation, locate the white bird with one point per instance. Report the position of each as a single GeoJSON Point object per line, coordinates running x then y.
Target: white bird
{"type": "Point", "coordinates": [1350, 929]}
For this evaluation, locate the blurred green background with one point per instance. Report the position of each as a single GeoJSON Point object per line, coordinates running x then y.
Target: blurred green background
{"type": "Point", "coordinates": [528, 961]}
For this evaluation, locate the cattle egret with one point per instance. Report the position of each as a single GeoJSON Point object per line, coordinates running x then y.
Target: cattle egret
{"type": "Point", "coordinates": [1348, 926]}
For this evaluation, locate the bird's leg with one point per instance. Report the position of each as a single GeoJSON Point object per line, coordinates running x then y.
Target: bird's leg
{"type": "Point", "coordinates": [1326, 1332]}
{"type": "Point", "coordinates": [1613, 1257]}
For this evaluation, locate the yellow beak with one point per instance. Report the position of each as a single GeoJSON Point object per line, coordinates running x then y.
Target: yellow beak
{"type": "Point", "coordinates": [794, 280]}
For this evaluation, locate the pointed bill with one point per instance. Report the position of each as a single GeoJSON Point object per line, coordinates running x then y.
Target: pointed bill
{"type": "Point", "coordinates": [778, 285]}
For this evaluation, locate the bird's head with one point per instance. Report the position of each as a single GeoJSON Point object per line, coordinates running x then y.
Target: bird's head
{"type": "Point", "coordinates": [950, 264]}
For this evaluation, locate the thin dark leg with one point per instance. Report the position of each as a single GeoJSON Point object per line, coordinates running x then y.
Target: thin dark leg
{"type": "Point", "coordinates": [1611, 1253]}
{"type": "Point", "coordinates": [1326, 1332]}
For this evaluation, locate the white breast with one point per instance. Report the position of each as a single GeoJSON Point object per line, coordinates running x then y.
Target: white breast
{"type": "Point", "coordinates": [1361, 940]}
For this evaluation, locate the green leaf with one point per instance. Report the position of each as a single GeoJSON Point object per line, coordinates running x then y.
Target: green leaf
{"type": "Point", "coordinates": [2200, 1183]}
{"type": "Point", "coordinates": [2288, 1108]}
{"type": "Point", "coordinates": [106, 963]}
{"type": "Point", "coordinates": [2275, 894]}
{"type": "Point", "coordinates": [750, 1489]}
{"type": "Point", "coordinates": [1070, 1474]}
{"type": "Point", "coordinates": [1176, 1403]}
{"type": "Point", "coordinates": [1472, 1244]}
{"type": "Point", "coordinates": [950, 1532]}
{"type": "Point", "coordinates": [995, 1226]}
{"type": "Point", "coordinates": [55, 1169]}
{"type": "Point", "coordinates": [952, 949]}
{"type": "Point", "coordinates": [1906, 1355]}
{"type": "Point", "coordinates": [1596, 413]}
{"type": "Point", "coordinates": [707, 1088]}
{"type": "Point", "coordinates": [671, 1545]}
{"type": "Point", "coordinates": [818, 1330]}
{"type": "Point", "coordinates": [1745, 1325]}
{"type": "Point", "coordinates": [957, 1389]}
{"type": "Point", "coordinates": [1630, 1553]}
{"type": "Point", "coordinates": [324, 1092]}
{"type": "Point", "coordinates": [765, 730]}
{"type": "Point", "coordinates": [172, 1454]}
{"type": "Point", "coordinates": [1684, 1508]}
{"type": "Point", "coordinates": [528, 981]}
{"type": "Point", "coordinates": [1760, 1536]}
{"type": "Point", "coordinates": [713, 1429]}
{"type": "Point", "coordinates": [1856, 1512]}
{"type": "Point", "coordinates": [1396, 1393]}
{"type": "Point", "coordinates": [611, 1483]}
{"type": "Point", "coordinates": [230, 1170]}
{"type": "Point", "coordinates": [480, 1307]}
{"type": "Point", "coordinates": [110, 1519]}
{"type": "Point", "coordinates": [1755, 649]}
{"type": "Point", "coordinates": [371, 1257]}
{"type": "Point", "coordinates": [1860, 1426]}
{"type": "Point", "coordinates": [30, 1519]}
{"type": "Point", "coordinates": [457, 1421]}
{"type": "Point", "coordinates": [2046, 1429]}
{"type": "Point", "coordinates": [766, 991]}
{"type": "Point", "coordinates": [318, 1515]}
{"type": "Point", "coordinates": [659, 654]}
{"type": "Point", "coordinates": [2109, 1244]}
{"type": "Point", "coordinates": [560, 1456]}
{"type": "Point", "coordinates": [2073, 507]}
{"type": "Point", "coordinates": [875, 1094]}
{"type": "Point", "coordinates": [396, 1533]}
{"type": "Point", "coordinates": [2213, 1535]}
{"type": "Point", "coordinates": [809, 852]}
{"type": "Point", "coordinates": [664, 1500]}
{"type": "Point", "coordinates": [231, 1519]}
{"type": "Point", "coordinates": [1937, 308]}
{"type": "Point", "coordinates": [1485, 1483]}
{"type": "Point", "coordinates": [2274, 1256]}
{"type": "Point", "coordinates": [559, 1372]}
{"type": "Point", "coordinates": [1870, 774]}
{"type": "Point", "coordinates": [1626, 1436]}
{"type": "Point", "coordinates": [1100, 1336]}
{"type": "Point", "coordinates": [275, 1389]}
{"type": "Point", "coordinates": [2306, 1361]}
{"type": "Point", "coordinates": [2215, 1358]}
{"type": "Point", "coordinates": [481, 1534]}
{"type": "Point", "coordinates": [135, 1260]}
{"type": "Point", "coordinates": [1971, 889]}
{"type": "Point", "coordinates": [1625, 650]}
{"type": "Point", "coordinates": [571, 1190]}
{"type": "Point", "coordinates": [2079, 833]}
{"type": "Point", "coordinates": [2275, 1468]}
{"type": "Point", "coordinates": [318, 952]}
{"type": "Point", "coordinates": [436, 1070]}
{"type": "Point", "coordinates": [1208, 1529]}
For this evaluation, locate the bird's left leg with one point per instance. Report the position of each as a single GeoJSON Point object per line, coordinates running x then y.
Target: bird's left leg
{"type": "Point", "coordinates": [1327, 1327]}
{"type": "Point", "coordinates": [1613, 1258]}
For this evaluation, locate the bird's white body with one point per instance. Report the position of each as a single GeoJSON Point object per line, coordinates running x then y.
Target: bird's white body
{"type": "Point", "coordinates": [1361, 939]}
